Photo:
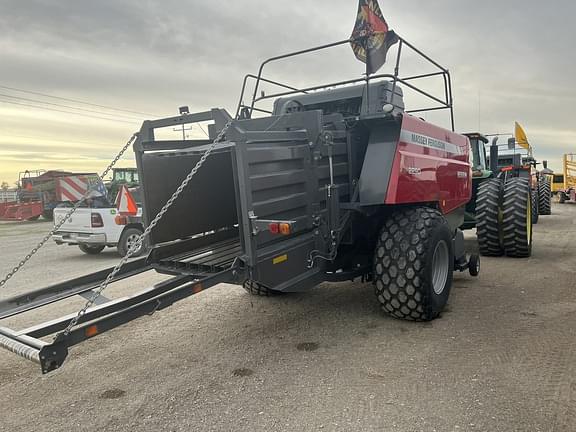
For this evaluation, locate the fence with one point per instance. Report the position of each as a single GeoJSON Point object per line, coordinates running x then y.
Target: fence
{"type": "Point", "coordinates": [8, 196]}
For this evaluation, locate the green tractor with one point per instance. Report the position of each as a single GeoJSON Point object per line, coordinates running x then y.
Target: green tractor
{"type": "Point", "coordinates": [501, 206]}
{"type": "Point", "coordinates": [121, 177]}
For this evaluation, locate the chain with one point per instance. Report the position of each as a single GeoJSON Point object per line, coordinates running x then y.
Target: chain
{"type": "Point", "coordinates": [58, 225]}
{"type": "Point", "coordinates": [138, 243]}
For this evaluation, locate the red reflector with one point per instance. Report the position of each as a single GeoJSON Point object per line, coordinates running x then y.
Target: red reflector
{"type": "Point", "coordinates": [96, 220]}
{"type": "Point", "coordinates": [285, 229]}
{"type": "Point", "coordinates": [508, 168]}
{"type": "Point", "coordinates": [274, 228]}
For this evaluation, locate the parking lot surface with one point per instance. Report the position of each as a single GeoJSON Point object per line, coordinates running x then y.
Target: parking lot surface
{"type": "Point", "coordinates": [501, 358]}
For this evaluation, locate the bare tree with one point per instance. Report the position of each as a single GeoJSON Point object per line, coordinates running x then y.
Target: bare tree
{"type": "Point", "coordinates": [4, 186]}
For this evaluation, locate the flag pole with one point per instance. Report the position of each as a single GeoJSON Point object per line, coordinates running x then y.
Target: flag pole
{"type": "Point", "coordinates": [367, 75]}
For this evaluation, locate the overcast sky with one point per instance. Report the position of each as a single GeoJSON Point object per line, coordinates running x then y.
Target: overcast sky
{"type": "Point", "coordinates": [510, 60]}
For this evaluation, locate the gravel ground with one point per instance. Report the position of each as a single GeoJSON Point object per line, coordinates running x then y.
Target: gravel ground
{"type": "Point", "coordinates": [501, 358]}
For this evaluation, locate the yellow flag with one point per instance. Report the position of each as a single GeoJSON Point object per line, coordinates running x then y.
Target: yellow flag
{"type": "Point", "coordinates": [521, 138]}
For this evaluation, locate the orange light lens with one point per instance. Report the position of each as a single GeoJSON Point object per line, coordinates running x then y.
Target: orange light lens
{"type": "Point", "coordinates": [121, 220]}
{"type": "Point", "coordinates": [285, 229]}
{"type": "Point", "coordinates": [91, 331]}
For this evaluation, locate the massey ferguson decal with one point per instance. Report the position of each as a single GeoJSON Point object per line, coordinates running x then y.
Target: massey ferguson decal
{"type": "Point", "coordinates": [410, 137]}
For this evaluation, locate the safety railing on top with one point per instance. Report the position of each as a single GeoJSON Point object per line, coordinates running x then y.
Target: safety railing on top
{"type": "Point", "coordinates": [443, 102]}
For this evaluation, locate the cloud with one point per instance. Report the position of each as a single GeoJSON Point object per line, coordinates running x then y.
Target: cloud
{"type": "Point", "coordinates": [509, 60]}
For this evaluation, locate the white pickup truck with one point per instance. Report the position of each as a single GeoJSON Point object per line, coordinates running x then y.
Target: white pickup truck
{"type": "Point", "coordinates": [94, 228]}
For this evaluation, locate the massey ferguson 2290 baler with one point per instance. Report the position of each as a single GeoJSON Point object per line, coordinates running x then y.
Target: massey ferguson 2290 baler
{"type": "Point", "coordinates": [337, 182]}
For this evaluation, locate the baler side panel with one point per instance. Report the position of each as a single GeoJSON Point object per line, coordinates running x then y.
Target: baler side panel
{"type": "Point", "coordinates": [430, 165]}
{"type": "Point", "coordinates": [378, 163]}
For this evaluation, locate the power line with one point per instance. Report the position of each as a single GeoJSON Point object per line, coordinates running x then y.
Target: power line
{"type": "Point", "coordinates": [40, 137]}
{"type": "Point", "coordinates": [77, 101]}
{"type": "Point", "coordinates": [69, 107]}
{"type": "Point", "coordinates": [67, 112]}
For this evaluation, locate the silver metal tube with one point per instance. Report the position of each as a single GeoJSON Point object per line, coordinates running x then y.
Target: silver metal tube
{"type": "Point", "coordinates": [20, 349]}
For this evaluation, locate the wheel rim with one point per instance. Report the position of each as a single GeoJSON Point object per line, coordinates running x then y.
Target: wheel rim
{"type": "Point", "coordinates": [131, 240]}
{"type": "Point", "coordinates": [440, 267]}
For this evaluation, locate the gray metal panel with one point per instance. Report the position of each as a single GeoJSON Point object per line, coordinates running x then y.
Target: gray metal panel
{"type": "Point", "coordinates": [378, 163]}
{"type": "Point", "coordinates": [277, 179]}
{"type": "Point", "coordinates": [208, 203]}
{"type": "Point", "coordinates": [290, 272]}
{"type": "Point", "coordinates": [342, 99]}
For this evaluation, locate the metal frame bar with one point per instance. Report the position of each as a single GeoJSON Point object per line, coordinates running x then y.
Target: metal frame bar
{"type": "Point", "coordinates": [104, 317]}
{"type": "Point", "coordinates": [53, 293]}
{"type": "Point", "coordinates": [447, 103]}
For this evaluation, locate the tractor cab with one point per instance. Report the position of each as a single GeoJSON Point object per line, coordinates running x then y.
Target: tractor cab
{"type": "Point", "coordinates": [125, 175]}
{"type": "Point", "coordinates": [122, 177]}
{"type": "Point", "coordinates": [480, 172]}
{"type": "Point", "coordinates": [479, 159]}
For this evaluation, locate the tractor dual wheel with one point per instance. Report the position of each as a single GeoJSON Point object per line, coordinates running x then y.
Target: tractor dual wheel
{"type": "Point", "coordinates": [517, 218]}
{"type": "Point", "coordinates": [414, 264]}
{"type": "Point", "coordinates": [488, 217]}
{"type": "Point", "coordinates": [545, 197]}
{"type": "Point", "coordinates": [535, 207]}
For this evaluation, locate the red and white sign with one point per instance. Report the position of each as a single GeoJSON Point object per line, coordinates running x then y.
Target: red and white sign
{"type": "Point", "coordinates": [73, 188]}
{"type": "Point", "coordinates": [125, 202]}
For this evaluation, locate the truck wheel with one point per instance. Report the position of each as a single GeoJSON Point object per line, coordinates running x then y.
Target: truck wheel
{"type": "Point", "coordinates": [414, 264]}
{"type": "Point", "coordinates": [91, 249]}
{"type": "Point", "coordinates": [545, 197]}
{"type": "Point", "coordinates": [127, 239]}
{"type": "Point", "coordinates": [535, 208]}
{"type": "Point", "coordinates": [488, 218]}
{"type": "Point", "coordinates": [258, 289]}
{"type": "Point", "coordinates": [517, 219]}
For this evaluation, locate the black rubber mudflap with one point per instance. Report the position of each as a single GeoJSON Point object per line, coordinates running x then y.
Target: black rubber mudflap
{"type": "Point", "coordinates": [488, 227]}
{"type": "Point", "coordinates": [517, 221]}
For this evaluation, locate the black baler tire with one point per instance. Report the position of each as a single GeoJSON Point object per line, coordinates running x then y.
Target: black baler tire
{"type": "Point", "coordinates": [535, 206]}
{"type": "Point", "coordinates": [488, 230]}
{"type": "Point", "coordinates": [515, 225]}
{"type": "Point", "coordinates": [403, 264]}
{"type": "Point", "coordinates": [91, 249]}
{"type": "Point", "coordinates": [545, 196]}
{"type": "Point", "coordinates": [257, 289]}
